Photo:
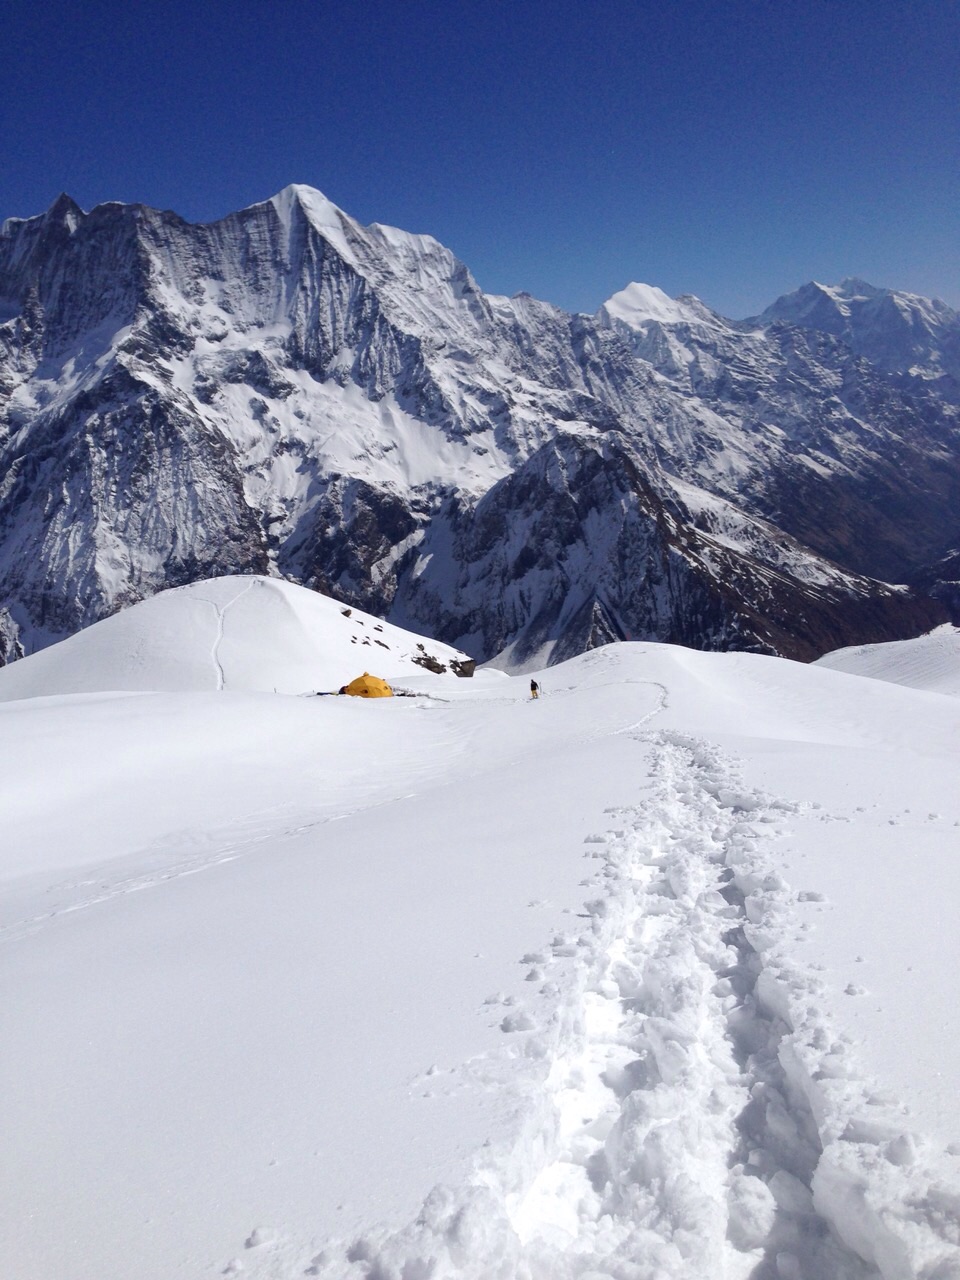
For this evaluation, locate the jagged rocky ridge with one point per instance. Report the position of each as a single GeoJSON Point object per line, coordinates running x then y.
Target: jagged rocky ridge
{"type": "Point", "coordinates": [287, 392]}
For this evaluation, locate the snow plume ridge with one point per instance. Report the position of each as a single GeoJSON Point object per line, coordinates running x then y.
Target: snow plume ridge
{"type": "Point", "coordinates": [684, 1113]}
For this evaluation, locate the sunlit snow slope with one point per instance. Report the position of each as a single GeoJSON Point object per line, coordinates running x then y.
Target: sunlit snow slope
{"type": "Point", "coordinates": [928, 662]}
{"type": "Point", "coordinates": [652, 977]}
{"type": "Point", "coordinates": [236, 633]}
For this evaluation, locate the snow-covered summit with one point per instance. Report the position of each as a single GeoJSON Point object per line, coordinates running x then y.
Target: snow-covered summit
{"type": "Point", "coordinates": [899, 331]}
{"type": "Point", "coordinates": [324, 216]}
{"type": "Point", "coordinates": [638, 304]}
{"type": "Point", "coordinates": [63, 211]}
{"type": "Point", "coordinates": [235, 633]}
{"type": "Point", "coordinates": [818, 300]}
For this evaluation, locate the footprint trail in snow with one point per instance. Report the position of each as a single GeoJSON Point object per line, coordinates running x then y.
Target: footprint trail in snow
{"type": "Point", "coordinates": [682, 1149]}
{"type": "Point", "coordinates": [672, 1114]}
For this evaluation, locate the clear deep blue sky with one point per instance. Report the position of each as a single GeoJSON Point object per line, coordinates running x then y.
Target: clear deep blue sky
{"type": "Point", "coordinates": [732, 150]}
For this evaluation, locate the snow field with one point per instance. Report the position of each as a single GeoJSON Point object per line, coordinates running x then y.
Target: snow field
{"type": "Point", "coordinates": [930, 662]}
{"type": "Point", "coordinates": [682, 1135]}
{"type": "Point", "coordinates": [652, 978]}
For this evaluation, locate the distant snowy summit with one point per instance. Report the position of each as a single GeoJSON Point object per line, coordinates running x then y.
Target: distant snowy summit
{"type": "Point", "coordinates": [900, 332]}
{"type": "Point", "coordinates": [288, 393]}
{"type": "Point", "coordinates": [638, 304]}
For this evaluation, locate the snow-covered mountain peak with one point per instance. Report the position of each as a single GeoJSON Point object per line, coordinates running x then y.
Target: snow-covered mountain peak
{"type": "Point", "coordinates": [300, 192]}
{"type": "Point", "coordinates": [345, 232]}
{"type": "Point", "coordinates": [322, 214]}
{"type": "Point", "coordinates": [638, 304]}
{"type": "Point", "coordinates": [426, 289]}
{"type": "Point", "coordinates": [851, 287]}
{"type": "Point", "coordinates": [813, 305]}
{"type": "Point", "coordinates": [816, 305]}
{"type": "Point", "coordinates": [288, 391]}
{"type": "Point", "coordinates": [899, 331]}
{"type": "Point", "coordinates": [65, 211]}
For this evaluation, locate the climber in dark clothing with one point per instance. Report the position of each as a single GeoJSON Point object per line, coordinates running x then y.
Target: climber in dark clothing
{"type": "Point", "coordinates": [534, 689]}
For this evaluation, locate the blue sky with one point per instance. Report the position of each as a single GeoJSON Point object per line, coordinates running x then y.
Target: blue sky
{"type": "Point", "coordinates": [728, 149]}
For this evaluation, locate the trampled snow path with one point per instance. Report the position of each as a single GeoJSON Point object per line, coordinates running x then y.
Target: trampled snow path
{"type": "Point", "coordinates": [675, 1112]}
{"type": "Point", "coordinates": [682, 1148]}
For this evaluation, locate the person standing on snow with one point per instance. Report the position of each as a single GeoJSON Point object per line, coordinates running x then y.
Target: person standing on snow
{"type": "Point", "coordinates": [534, 689]}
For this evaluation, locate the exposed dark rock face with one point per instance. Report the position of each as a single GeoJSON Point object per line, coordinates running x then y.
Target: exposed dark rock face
{"type": "Point", "coordinates": [285, 391]}
{"type": "Point", "coordinates": [942, 582]}
{"type": "Point", "coordinates": [576, 549]}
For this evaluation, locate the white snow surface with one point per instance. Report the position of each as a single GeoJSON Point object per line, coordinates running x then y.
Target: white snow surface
{"type": "Point", "coordinates": [929, 662]}
{"type": "Point", "coordinates": [236, 633]}
{"type": "Point", "coordinates": [651, 979]}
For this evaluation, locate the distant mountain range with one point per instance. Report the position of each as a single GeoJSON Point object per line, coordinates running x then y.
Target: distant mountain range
{"type": "Point", "coordinates": [287, 392]}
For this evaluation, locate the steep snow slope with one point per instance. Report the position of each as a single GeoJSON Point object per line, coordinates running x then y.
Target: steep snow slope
{"type": "Point", "coordinates": [654, 977]}
{"type": "Point", "coordinates": [929, 662]}
{"type": "Point", "coordinates": [241, 634]}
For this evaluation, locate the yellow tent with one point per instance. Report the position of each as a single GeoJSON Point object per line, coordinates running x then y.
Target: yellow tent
{"type": "Point", "coordinates": [368, 686]}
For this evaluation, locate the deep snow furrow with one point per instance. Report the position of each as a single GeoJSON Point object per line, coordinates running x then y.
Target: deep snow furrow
{"type": "Point", "coordinates": [680, 1153]}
